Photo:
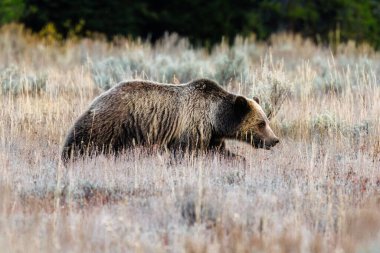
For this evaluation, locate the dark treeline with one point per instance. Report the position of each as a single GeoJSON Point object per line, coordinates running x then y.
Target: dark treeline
{"type": "Point", "coordinates": [203, 22]}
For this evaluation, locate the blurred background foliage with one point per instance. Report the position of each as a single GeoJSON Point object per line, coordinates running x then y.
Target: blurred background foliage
{"type": "Point", "coordinates": [203, 22]}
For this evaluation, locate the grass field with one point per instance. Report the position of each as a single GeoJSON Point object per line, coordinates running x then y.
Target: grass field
{"type": "Point", "coordinates": [317, 191]}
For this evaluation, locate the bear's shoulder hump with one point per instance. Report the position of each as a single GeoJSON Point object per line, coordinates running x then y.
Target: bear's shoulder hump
{"type": "Point", "coordinates": [206, 85]}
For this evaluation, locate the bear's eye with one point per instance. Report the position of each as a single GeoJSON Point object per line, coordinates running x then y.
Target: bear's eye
{"type": "Point", "coordinates": [262, 124]}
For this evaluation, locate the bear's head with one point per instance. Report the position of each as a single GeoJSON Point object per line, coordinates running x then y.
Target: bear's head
{"type": "Point", "coordinates": [253, 124]}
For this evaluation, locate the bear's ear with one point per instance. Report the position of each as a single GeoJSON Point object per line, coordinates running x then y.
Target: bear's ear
{"type": "Point", "coordinates": [256, 99]}
{"type": "Point", "coordinates": [241, 105]}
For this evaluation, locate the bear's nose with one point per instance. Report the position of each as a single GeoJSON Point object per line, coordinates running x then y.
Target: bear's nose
{"type": "Point", "coordinates": [275, 141]}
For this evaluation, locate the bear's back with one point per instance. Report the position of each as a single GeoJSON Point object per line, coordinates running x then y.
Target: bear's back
{"type": "Point", "coordinates": [198, 86]}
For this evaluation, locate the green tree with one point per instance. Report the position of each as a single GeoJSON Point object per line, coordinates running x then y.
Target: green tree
{"type": "Point", "coordinates": [206, 22]}
{"type": "Point", "coordinates": [11, 10]}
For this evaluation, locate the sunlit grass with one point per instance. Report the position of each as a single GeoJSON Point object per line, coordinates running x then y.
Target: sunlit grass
{"type": "Point", "coordinates": [317, 191]}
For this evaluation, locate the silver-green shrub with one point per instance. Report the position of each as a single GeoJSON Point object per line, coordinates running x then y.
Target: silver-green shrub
{"type": "Point", "coordinates": [15, 81]}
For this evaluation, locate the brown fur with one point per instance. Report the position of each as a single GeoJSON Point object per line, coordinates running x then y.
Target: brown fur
{"type": "Point", "coordinates": [198, 115]}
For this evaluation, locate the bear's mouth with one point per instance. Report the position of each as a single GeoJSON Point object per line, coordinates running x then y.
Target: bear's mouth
{"type": "Point", "coordinates": [258, 143]}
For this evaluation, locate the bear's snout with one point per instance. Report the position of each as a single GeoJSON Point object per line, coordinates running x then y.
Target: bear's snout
{"type": "Point", "coordinates": [273, 142]}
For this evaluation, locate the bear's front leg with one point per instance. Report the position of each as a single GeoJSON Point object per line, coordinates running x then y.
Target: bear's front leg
{"type": "Point", "coordinates": [219, 145]}
{"type": "Point", "coordinates": [230, 154]}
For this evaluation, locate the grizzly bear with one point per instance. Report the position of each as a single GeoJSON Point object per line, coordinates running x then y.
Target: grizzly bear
{"type": "Point", "coordinates": [198, 115]}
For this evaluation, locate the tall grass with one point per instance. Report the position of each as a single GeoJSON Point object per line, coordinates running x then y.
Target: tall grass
{"type": "Point", "coordinates": [318, 191]}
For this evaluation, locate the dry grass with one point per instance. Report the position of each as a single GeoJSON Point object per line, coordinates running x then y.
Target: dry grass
{"type": "Point", "coordinates": [318, 191]}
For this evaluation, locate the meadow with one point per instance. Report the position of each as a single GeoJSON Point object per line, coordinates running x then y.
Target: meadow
{"type": "Point", "coordinates": [317, 191]}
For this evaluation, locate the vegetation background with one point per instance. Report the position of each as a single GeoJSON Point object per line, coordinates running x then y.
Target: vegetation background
{"type": "Point", "coordinates": [313, 64]}
{"type": "Point", "coordinates": [203, 22]}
